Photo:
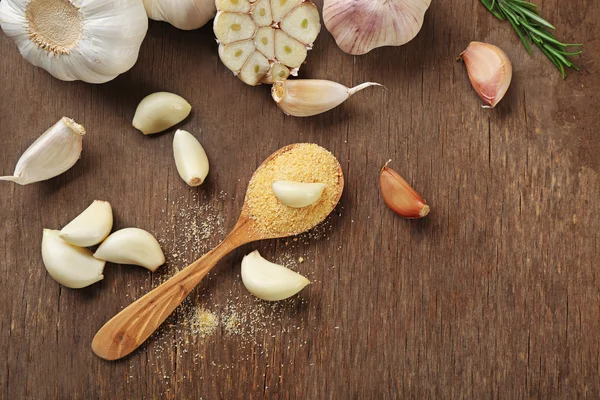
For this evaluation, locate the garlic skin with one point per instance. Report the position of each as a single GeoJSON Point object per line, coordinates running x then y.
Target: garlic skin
{"type": "Point", "coordinates": [93, 40]}
{"type": "Point", "coordinates": [297, 194]}
{"type": "Point", "coordinates": [490, 71]}
{"type": "Point", "coordinates": [71, 266]}
{"type": "Point", "coordinates": [400, 196]}
{"type": "Point", "coordinates": [308, 97]}
{"type": "Point", "coordinates": [160, 111]}
{"type": "Point", "coordinates": [269, 281]}
{"type": "Point", "coordinates": [182, 14]}
{"type": "Point", "coordinates": [53, 153]}
{"type": "Point", "coordinates": [190, 158]}
{"type": "Point", "coordinates": [90, 227]}
{"type": "Point", "coordinates": [131, 246]}
{"type": "Point", "coordinates": [359, 26]}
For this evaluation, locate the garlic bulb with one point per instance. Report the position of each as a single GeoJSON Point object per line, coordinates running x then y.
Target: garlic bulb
{"type": "Point", "coordinates": [71, 266]}
{"type": "Point", "coordinates": [90, 227]}
{"type": "Point", "coordinates": [93, 41]}
{"type": "Point", "coordinates": [359, 26]}
{"type": "Point", "coordinates": [160, 111]}
{"type": "Point", "coordinates": [308, 97]}
{"type": "Point", "coordinates": [265, 41]}
{"type": "Point", "coordinates": [297, 194]}
{"type": "Point", "coordinates": [131, 246]}
{"type": "Point", "coordinates": [190, 158]}
{"type": "Point", "coordinates": [54, 152]}
{"type": "Point", "coordinates": [269, 281]}
{"type": "Point", "coordinates": [182, 14]}
{"type": "Point", "coordinates": [490, 71]}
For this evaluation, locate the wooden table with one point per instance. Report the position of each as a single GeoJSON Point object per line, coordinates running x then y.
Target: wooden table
{"type": "Point", "coordinates": [496, 294]}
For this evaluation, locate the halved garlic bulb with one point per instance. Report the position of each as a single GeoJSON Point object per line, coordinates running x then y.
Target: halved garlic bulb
{"type": "Point", "coordinates": [265, 41]}
{"type": "Point", "coordinates": [93, 41]}
{"type": "Point", "coordinates": [297, 194]}
{"type": "Point", "coordinates": [359, 26]}
{"type": "Point", "coordinates": [53, 153]}
{"type": "Point", "coordinates": [269, 281]}
{"type": "Point", "coordinates": [131, 246]}
{"type": "Point", "coordinates": [71, 266]}
{"type": "Point", "coordinates": [182, 14]}
{"type": "Point", "coordinates": [190, 158]}
{"type": "Point", "coordinates": [90, 227]}
{"type": "Point", "coordinates": [160, 111]}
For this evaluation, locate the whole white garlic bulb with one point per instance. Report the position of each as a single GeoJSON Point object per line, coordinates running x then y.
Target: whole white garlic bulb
{"type": "Point", "coordinates": [182, 14]}
{"type": "Point", "coordinates": [359, 26]}
{"type": "Point", "coordinates": [89, 40]}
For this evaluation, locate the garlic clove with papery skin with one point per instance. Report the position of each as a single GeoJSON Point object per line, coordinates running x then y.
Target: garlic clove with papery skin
{"type": "Point", "coordinates": [71, 266]}
{"type": "Point", "coordinates": [297, 194]}
{"type": "Point", "coordinates": [90, 227]}
{"type": "Point", "coordinates": [190, 158]}
{"type": "Point", "coordinates": [269, 281]}
{"type": "Point", "coordinates": [53, 153]}
{"type": "Point", "coordinates": [400, 196]}
{"type": "Point", "coordinates": [131, 246]}
{"type": "Point", "coordinates": [182, 14]}
{"type": "Point", "coordinates": [490, 71]}
{"type": "Point", "coordinates": [93, 41]}
{"type": "Point", "coordinates": [160, 111]}
{"type": "Point", "coordinates": [359, 26]}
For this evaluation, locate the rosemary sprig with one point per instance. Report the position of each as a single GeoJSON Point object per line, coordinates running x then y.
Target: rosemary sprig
{"type": "Point", "coordinates": [532, 28]}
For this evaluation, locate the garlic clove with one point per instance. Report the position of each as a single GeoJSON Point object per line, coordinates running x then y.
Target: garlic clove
{"type": "Point", "coordinates": [278, 72]}
{"type": "Point", "coordinates": [269, 281]}
{"type": "Point", "coordinates": [288, 50]}
{"type": "Point", "coordinates": [131, 246]}
{"type": "Point", "coordinates": [71, 266]}
{"type": "Point", "coordinates": [490, 71]}
{"type": "Point", "coordinates": [160, 111]}
{"type": "Point", "coordinates": [53, 153]}
{"type": "Point", "coordinates": [308, 97]}
{"type": "Point", "coordinates": [254, 69]}
{"type": "Point", "coordinates": [190, 158]}
{"type": "Point", "coordinates": [359, 26]}
{"type": "Point", "coordinates": [302, 23]}
{"type": "Point", "coordinates": [297, 194]}
{"type": "Point", "coordinates": [233, 27]}
{"type": "Point", "coordinates": [235, 55]}
{"type": "Point", "coordinates": [236, 6]}
{"type": "Point", "coordinates": [182, 14]}
{"type": "Point", "coordinates": [90, 227]}
{"type": "Point", "coordinates": [264, 40]}
{"type": "Point", "coordinates": [400, 196]}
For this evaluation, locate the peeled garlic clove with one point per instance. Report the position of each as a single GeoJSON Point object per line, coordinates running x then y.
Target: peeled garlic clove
{"type": "Point", "coordinates": [308, 97]}
{"type": "Point", "coordinates": [71, 266]}
{"type": "Point", "coordinates": [90, 227]}
{"type": "Point", "coordinates": [269, 281]}
{"type": "Point", "coordinates": [400, 196]}
{"type": "Point", "coordinates": [490, 71]}
{"type": "Point", "coordinates": [54, 152]}
{"type": "Point", "coordinates": [160, 111]}
{"type": "Point", "coordinates": [297, 194]}
{"type": "Point", "coordinates": [190, 158]}
{"type": "Point", "coordinates": [359, 26]}
{"type": "Point", "coordinates": [131, 246]}
{"type": "Point", "coordinates": [182, 14]}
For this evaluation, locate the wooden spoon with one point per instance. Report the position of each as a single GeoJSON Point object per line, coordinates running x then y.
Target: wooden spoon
{"type": "Point", "coordinates": [134, 324]}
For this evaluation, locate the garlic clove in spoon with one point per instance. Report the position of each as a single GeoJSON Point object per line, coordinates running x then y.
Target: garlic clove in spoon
{"type": "Point", "coordinates": [53, 153]}
{"type": "Point", "coordinates": [182, 14]}
{"type": "Point", "coordinates": [160, 111]}
{"type": "Point", "coordinates": [93, 41]}
{"type": "Point", "coordinates": [297, 194]}
{"type": "Point", "coordinates": [269, 281]}
{"type": "Point", "coordinates": [490, 71]}
{"type": "Point", "coordinates": [190, 158]}
{"type": "Point", "coordinates": [90, 227]}
{"type": "Point", "coordinates": [131, 246]}
{"type": "Point", "coordinates": [71, 266]}
{"type": "Point", "coordinates": [359, 26]}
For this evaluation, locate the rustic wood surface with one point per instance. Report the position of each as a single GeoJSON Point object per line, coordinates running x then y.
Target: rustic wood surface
{"type": "Point", "coordinates": [496, 294]}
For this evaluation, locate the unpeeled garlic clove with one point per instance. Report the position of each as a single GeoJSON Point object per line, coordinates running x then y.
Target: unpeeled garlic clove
{"type": "Point", "coordinates": [490, 71]}
{"type": "Point", "coordinates": [71, 266]}
{"type": "Point", "coordinates": [190, 158]}
{"type": "Point", "coordinates": [53, 153]}
{"type": "Point", "coordinates": [400, 196]}
{"type": "Point", "coordinates": [131, 246]}
{"type": "Point", "coordinates": [297, 194]}
{"type": "Point", "coordinates": [90, 227]}
{"type": "Point", "coordinates": [160, 111]}
{"type": "Point", "coordinates": [269, 281]}
{"type": "Point", "coordinates": [308, 97]}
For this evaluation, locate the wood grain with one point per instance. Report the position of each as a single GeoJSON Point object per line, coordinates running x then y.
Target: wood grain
{"type": "Point", "coordinates": [496, 294]}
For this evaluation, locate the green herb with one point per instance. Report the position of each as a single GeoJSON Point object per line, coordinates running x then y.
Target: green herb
{"type": "Point", "coordinates": [531, 28]}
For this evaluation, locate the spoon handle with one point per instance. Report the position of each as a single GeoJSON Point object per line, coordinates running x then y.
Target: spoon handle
{"type": "Point", "coordinates": [134, 324]}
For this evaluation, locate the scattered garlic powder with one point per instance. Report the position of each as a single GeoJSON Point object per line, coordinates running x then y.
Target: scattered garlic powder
{"type": "Point", "coordinates": [204, 323]}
